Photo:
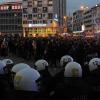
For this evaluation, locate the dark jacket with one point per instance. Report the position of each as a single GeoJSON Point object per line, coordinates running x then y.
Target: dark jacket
{"type": "Point", "coordinates": [72, 89]}
{"type": "Point", "coordinates": [93, 80]}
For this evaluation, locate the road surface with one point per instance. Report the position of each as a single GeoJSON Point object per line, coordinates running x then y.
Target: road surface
{"type": "Point", "coordinates": [17, 60]}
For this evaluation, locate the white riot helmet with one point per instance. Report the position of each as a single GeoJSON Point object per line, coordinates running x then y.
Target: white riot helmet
{"type": "Point", "coordinates": [65, 59]}
{"type": "Point", "coordinates": [73, 69]}
{"type": "Point", "coordinates": [2, 66]}
{"type": "Point", "coordinates": [41, 64]}
{"type": "Point", "coordinates": [26, 80]}
{"type": "Point", "coordinates": [7, 61]}
{"type": "Point", "coordinates": [19, 67]}
{"type": "Point", "coordinates": [94, 63]}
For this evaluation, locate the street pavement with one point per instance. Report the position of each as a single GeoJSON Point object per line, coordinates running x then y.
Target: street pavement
{"type": "Point", "coordinates": [17, 60]}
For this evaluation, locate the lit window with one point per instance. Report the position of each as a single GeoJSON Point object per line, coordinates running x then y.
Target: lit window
{"type": "Point", "coordinates": [7, 7]}
{"type": "Point", "coordinates": [13, 7]}
{"type": "Point", "coordinates": [35, 3]}
{"type": "Point", "coordinates": [40, 16]}
{"type": "Point", "coordinates": [50, 9]}
{"type": "Point", "coordinates": [19, 7]}
{"type": "Point", "coordinates": [50, 2]}
{"type": "Point", "coordinates": [1, 7]}
{"type": "Point", "coordinates": [4, 8]}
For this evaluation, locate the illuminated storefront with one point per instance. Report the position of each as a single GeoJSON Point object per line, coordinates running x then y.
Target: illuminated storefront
{"type": "Point", "coordinates": [42, 17]}
{"type": "Point", "coordinates": [40, 30]}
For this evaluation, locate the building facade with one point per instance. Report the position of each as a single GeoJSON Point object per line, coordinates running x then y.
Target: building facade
{"type": "Point", "coordinates": [88, 20]}
{"type": "Point", "coordinates": [42, 17]}
{"type": "Point", "coordinates": [78, 20]}
{"type": "Point", "coordinates": [92, 19]}
{"type": "Point", "coordinates": [96, 18]}
{"type": "Point", "coordinates": [70, 24]}
{"type": "Point", "coordinates": [11, 18]}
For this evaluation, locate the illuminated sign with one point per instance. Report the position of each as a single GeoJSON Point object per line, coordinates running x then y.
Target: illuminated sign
{"type": "Point", "coordinates": [55, 17]}
{"type": "Point", "coordinates": [37, 25]}
{"type": "Point", "coordinates": [83, 27]}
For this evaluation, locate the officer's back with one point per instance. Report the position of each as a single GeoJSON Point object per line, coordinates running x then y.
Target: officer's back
{"type": "Point", "coordinates": [73, 87]}
{"type": "Point", "coordinates": [93, 79]}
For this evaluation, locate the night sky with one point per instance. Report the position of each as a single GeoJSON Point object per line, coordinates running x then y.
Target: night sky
{"type": "Point", "coordinates": [73, 5]}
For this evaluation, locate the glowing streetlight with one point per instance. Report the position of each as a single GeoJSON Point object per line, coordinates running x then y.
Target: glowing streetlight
{"type": "Point", "coordinates": [84, 8]}
{"type": "Point", "coordinates": [65, 17]}
{"type": "Point", "coordinates": [87, 7]}
{"type": "Point", "coordinates": [65, 24]}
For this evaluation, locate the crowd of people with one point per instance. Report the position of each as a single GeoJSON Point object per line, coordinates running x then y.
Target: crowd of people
{"type": "Point", "coordinates": [78, 58]}
{"type": "Point", "coordinates": [51, 48]}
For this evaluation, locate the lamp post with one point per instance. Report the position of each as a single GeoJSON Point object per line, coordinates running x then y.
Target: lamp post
{"type": "Point", "coordinates": [65, 24]}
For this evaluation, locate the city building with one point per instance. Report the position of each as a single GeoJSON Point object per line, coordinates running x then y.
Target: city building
{"type": "Point", "coordinates": [70, 24]}
{"type": "Point", "coordinates": [78, 20]}
{"type": "Point", "coordinates": [11, 18]}
{"type": "Point", "coordinates": [43, 17]}
{"type": "Point", "coordinates": [88, 20]}
{"type": "Point", "coordinates": [92, 19]}
{"type": "Point", "coordinates": [96, 18]}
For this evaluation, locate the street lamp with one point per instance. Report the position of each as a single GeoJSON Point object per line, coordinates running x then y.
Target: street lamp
{"type": "Point", "coordinates": [65, 24]}
{"type": "Point", "coordinates": [84, 8]}
{"type": "Point", "coordinates": [96, 5]}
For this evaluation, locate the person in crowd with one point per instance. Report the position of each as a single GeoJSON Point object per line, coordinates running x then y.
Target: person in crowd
{"type": "Point", "coordinates": [73, 87]}
{"type": "Point", "coordinates": [4, 48]}
{"type": "Point", "coordinates": [47, 82]}
{"type": "Point", "coordinates": [7, 69]}
{"type": "Point", "coordinates": [4, 85]}
{"type": "Point", "coordinates": [17, 68]}
{"type": "Point", "coordinates": [26, 85]}
{"type": "Point", "coordinates": [9, 64]}
{"type": "Point", "coordinates": [93, 78]}
{"type": "Point", "coordinates": [63, 62]}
